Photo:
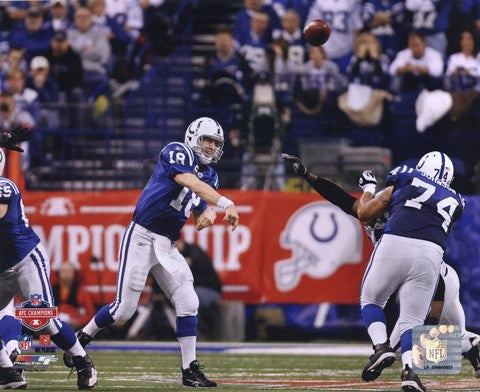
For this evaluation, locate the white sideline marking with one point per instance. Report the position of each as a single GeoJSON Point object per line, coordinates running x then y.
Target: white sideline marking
{"type": "Point", "coordinates": [246, 348]}
{"type": "Point", "coordinates": [106, 209]}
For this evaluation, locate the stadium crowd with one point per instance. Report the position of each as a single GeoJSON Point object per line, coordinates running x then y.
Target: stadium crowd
{"type": "Point", "coordinates": [390, 71]}
{"type": "Point", "coordinates": [396, 74]}
{"type": "Point", "coordinates": [69, 51]}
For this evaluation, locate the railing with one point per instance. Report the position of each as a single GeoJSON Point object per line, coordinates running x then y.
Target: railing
{"type": "Point", "coordinates": [114, 144]}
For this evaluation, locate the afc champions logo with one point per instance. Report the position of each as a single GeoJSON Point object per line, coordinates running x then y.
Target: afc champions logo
{"type": "Point", "coordinates": [36, 313]}
{"type": "Point", "coordinates": [322, 238]}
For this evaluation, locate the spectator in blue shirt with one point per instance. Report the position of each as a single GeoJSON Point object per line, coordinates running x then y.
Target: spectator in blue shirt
{"type": "Point", "coordinates": [243, 19]}
{"type": "Point", "coordinates": [35, 39]}
{"type": "Point", "coordinates": [369, 66]}
{"type": "Point", "coordinates": [119, 38]}
{"type": "Point", "coordinates": [41, 82]}
{"type": "Point", "coordinates": [4, 48]}
{"type": "Point", "coordinates": [432, 19]}
{"type": "Point", "coordinates": [254, 45]}
{"type": "Point", "coordinates": [60, 17]}
{"type": "Point", "coordinates": [227, 73]}
{"type": "Point", "coordinates": [47, 90]}
{"type": "Point", "coordinates": [292, 35]}
{"type": "Point", "coordinates": [25, 98]}
{"type": "Point", "coordinates": [385, 19]}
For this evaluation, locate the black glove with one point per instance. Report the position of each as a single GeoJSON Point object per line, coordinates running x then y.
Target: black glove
{"type": "Point", "coordinates": [9, 139]}
{"type": "Point", "coordinates": [368, 182]}
{"type": "Point", "coordinates": [296, 164]}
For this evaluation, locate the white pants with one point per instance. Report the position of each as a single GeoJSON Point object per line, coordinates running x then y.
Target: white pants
{"type": "Point", "coordinates": [452, 312]}
{"type": "Point", "coordinates": [9, 310]}
{"type": "Point", "coordinates": [30, 276]}
{"type": "Point", "coordinates": [409, 264]}
{"type": "Point", "coordinates": [141, 252]}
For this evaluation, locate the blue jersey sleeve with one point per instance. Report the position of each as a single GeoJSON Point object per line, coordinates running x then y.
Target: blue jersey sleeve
{"type": "Point", "coordinates": [6, 192]}
{"type": "Point", "coordinates": [213, 182]}
{"type": "Point", "coordinates": [394, 175]}
{"type": "Point", "coordinates": [177, 158]}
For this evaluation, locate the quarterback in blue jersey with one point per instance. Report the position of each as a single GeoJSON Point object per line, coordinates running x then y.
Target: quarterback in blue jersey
{"type": "Point", "coordinates": [24, 271]}
{"type": "Point", "coordinates": [182, 184]}
{"type": "Point", "coordinates": [422, 209]}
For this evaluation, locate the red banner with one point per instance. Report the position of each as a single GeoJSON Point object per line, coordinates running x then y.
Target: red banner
{"type": "Point", "coordinates": [289, 247]}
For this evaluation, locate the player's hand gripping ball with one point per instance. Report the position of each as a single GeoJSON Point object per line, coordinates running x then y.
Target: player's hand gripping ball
{"type": "Point", "coordinates": [317, 32]}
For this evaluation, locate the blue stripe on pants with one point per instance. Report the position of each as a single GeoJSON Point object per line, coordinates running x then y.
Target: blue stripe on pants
{"type": "Point", "coordinates": [40, 275]}
{"type": "Point", "coordinates": [122, 274]}
{"type": "Point", "coordinates": [47, 282]}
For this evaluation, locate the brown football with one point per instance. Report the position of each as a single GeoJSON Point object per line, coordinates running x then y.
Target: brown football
{"type": "Point", "coordinates": [317, 32]}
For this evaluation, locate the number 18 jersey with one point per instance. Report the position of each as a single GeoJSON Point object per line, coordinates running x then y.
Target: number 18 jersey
{"type": "Point", "coordinates": [17, 239]}
{"type": "Point", "coordinates": [164, 205]}
{"type": "Point", "coordinates": [421, 208]}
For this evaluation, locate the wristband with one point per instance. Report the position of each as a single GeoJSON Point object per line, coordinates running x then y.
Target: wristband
{"type": "Point", "coordinates": [370, 188]}
{"type": "Point", "coordinates": [224, 203]}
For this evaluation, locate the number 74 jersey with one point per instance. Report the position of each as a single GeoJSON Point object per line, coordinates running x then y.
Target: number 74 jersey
{"type": "Point", "coordinates": [17, 239]}
{"type": "Point", "coordinates": [164, 205]}
{"type": "Point", "coordinates": [420, 207]}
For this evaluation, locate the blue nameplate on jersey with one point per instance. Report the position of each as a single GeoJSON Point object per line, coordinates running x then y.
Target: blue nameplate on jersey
{"type": "Point", "coordinates": [437, 349]}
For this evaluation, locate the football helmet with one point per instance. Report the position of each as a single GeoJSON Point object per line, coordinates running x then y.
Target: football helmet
{"type": "Point", "coordinates": [197, 130]}
{"type": "Point", "coordinates": [317, 235]}
{"type": "Point", "coordinates": [2, 161]}
{"type": "Point", "coordinates": [437, 166]}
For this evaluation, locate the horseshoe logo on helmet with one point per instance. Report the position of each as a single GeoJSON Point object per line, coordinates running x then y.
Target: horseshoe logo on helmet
{"type": "Point", "coordinates": [331, 236]}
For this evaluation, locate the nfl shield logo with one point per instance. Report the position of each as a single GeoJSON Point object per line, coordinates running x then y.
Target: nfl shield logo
{"type": "Point", "coordinates": [25, 342]}
{"type": "Point", "coordinates": [436, 350]}
{"type": "Point", "coordinates": [35, 300]}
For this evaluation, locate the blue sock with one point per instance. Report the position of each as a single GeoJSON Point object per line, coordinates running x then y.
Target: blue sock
{"type": "Point", "coordinates": [186, 326]}
{"type": "Point", "coordinates": [65, 338]}
{"type": "Point", "coordinates": [10, 328]}
{"type": "Point", "coordinates": [373, 313]}
{"type": "Point", "coordinates": [406, 340]}
{"type": "Point", "coordinates": [103, 318]}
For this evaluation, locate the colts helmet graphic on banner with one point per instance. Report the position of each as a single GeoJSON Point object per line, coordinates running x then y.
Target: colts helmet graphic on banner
{"type": "Point", "coordinates": [322, 238]}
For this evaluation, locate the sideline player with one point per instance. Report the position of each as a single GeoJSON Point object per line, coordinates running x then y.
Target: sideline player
{"type": "Point", "coordinates": [446, 309]}
{"type": "Point", "coordinates": [183, 182]}
{"type": "Point", "coordinates": [25, 270]}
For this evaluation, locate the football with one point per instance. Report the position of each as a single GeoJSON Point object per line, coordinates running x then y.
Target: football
{"type": "Point", "coordinates": [317, 32]}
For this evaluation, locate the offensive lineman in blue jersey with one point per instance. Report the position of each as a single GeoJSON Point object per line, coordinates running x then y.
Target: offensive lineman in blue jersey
{"type": "Point", "coordinates": [24, 271]}
{"type": "Point", "coordinates": [182, 183]}
{"type": "Point", "coordinates": [446, 306]}
{"type": "Point", "coordinates": [422, 209]}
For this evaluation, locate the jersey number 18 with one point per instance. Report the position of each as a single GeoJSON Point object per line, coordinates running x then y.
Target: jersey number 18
{"type": "Point", "coordinates": [192, 203]}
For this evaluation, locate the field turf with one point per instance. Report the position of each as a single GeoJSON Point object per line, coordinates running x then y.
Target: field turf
{"type": "Point", "coordinates": [159, 371]}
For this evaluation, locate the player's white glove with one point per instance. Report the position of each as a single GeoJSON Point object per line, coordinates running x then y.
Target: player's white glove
{"type": "Point", "coordinates": [368, 182]}
{"type": "Point", "coordinates": [296, 164]}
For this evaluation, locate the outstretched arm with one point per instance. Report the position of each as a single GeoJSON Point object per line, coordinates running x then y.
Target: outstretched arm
{"type": "Point", "coordinates": [327, 189]}
{"type": "Point", "coordinates": [210, 195]}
